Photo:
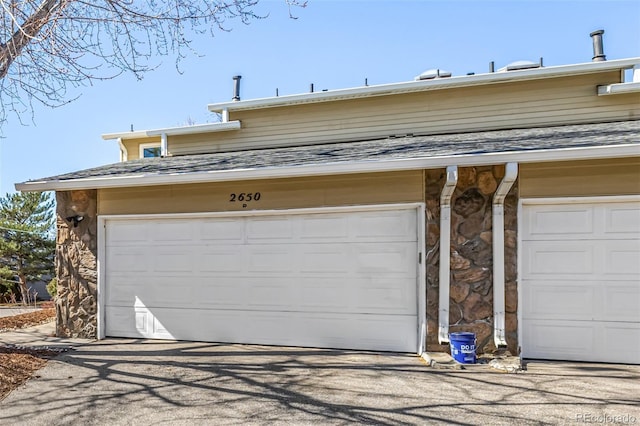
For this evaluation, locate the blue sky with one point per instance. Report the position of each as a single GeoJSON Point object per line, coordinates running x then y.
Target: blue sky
{"type": "Point", "coordinates": [332, 44]}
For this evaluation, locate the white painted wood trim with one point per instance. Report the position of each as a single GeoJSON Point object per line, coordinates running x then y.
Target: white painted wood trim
{"type": "Point", "coordinates": [144, 146]}
{"type": "Point", "coordinates": [101, 250]}
{"type": "Point", "coordinates": [422, 279]}
{"type": "Point", "coordinates": [619, 88]}
{"type": "Point", "coordinates": [519, 277]}
{"type": "Point", "coordinates": [173, 131]}
{"type": "Point", "coordinates": [444, 269]}
{"type": "Point", "coordinates": [310, 210]}
{"type": "Point", "coordinates": [580, 200]}
{"type": "Point", "coordinates": [497, 209]}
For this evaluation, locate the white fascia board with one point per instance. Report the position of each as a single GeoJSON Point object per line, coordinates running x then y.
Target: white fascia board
{"type": "Point", "coordinates": [125, 135]}
{"type": "Point", "coordinates": [173, 131]}
{"type": "Point", "coordinates": [563, 154]}
{"type": "Point", "coordinates": [424, 85]}
{"type": "Point", "coordinates": [619, 88]}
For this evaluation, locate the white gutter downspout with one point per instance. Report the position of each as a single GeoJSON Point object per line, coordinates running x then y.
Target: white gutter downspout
{"type": "Point", "coordinates": [225, 115]}
{"type": "Point", "coordinates": [499, 335]}
{"type": "Point", "coordinates": [445, 253]}
{"type": "Point", "coordinates": [164, 145]}
{"type": "Point", "coordinates": [124, 154]}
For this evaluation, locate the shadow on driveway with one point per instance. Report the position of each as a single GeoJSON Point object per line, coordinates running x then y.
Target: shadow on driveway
{"type": "Point", "coordinates": [121, 381]}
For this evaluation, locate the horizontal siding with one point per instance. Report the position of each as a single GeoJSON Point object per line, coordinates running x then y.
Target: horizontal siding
{"type": "Point", "coordinates": [507, 105]}
{"type": "Point", "coordinates": [371, 188]}
{"type": "Point", "coordinates": [580, 178]}
{"type": "Point", "coordinates": [133, 146]}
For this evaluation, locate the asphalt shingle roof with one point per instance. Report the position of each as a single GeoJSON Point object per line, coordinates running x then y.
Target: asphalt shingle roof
{"type": "Point", "coordinates": [409, 147]}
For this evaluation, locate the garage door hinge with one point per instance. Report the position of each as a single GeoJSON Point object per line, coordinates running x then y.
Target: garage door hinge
{"type": "Point", "coordinates": [420, 258]}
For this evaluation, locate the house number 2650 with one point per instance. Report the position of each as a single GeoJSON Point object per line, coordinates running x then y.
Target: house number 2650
{"type": "Point", "coordinates": [244, 197]}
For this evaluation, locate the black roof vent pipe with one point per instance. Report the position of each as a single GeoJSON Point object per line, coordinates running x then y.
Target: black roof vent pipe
{"type": "Point", "coordinates": [236, 87]}
{"type": "Point", "coordinates": [598, 49]}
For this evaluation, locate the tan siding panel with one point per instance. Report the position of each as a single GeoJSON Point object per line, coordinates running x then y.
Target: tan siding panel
{"type": "Point", "coordinates": [375, 188]}
{"type": "Point", "coordinates": [580, 178]}
{"type": "Point", "coordinates": [133, 146]}
{"type": "Point", "coordinates": [542, 102]}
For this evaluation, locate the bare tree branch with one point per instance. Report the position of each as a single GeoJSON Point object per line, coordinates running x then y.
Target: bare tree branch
{"type": "Point", "coordinates": [48, 47]}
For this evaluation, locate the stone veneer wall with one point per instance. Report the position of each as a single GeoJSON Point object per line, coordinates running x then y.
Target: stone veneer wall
{"type": "Point", "coordinates": [471, 291]}
{"type": "Point", "coordinates": [76, 266]}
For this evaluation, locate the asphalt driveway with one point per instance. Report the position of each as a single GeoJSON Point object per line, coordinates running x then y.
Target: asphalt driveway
{"type": "Point", "coordinates": [119, 381]}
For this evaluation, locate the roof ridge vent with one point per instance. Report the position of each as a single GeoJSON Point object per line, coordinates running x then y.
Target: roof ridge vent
{"type": "Point", "coordinates": [521, 65]}
{"type": "Point", "coordinates": [432, 74]}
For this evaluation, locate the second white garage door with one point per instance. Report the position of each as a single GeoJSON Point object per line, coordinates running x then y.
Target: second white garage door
{"type": "Point", "coordinates": [341, 279]}
{"type": "Point", "coordinates": [581, 280]}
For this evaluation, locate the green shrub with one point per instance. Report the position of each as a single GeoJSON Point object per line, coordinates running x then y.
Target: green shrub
{"type": "Point", "coordinates": [52, 287]}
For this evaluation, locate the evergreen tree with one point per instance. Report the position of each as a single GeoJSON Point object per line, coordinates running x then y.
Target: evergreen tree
{"type": "Point", "coordinates": [27, 242]}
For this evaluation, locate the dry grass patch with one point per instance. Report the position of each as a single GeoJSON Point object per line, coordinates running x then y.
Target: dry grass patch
{"type": "Point", "coordinates": [18, 364]}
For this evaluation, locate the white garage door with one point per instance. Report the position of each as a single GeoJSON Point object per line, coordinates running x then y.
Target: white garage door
{"type": "Point", "coordinates": [581, 281]}
{"type": "Point", "coordinates": [336, 280]}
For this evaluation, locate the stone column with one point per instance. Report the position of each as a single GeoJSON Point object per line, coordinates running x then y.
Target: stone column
{"type": "Point", "coordinates": [76, 266]}
{"type": "Point", "coordinates": [471, 292]}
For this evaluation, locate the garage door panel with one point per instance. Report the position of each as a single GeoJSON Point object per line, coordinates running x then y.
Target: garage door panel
{"type": "Point", "coordinates": [127, 259]}
{"type": "Point", "coordinates": [169, 261]}
{"type": "Point", "coordinates": [546, 221]}
{"type": "Point", "coordinates": [385, 299]}
{"type": "Point", "coordinates": [622, 342]}
{"type": "Point", "coordinates": [583, 300]}
{"type": "Point", "coordinates": [385, 226]}
{"type": "Point", "coordinates": [171, 292]}
{"type": "Point", "coordinates": [621, 301]}
{"type": "Point", "coordinates": [622, 257]}
{"type": "Point", "coordinates": [391, 258]}
{"type": "Point", "coordinates": [558, 257]}
{"type": "Point", "coordinates": [559, 340]}
{"type": "Point", "coordinates": [269, 259]}
{"type": "Point", "coordinates": [575, 341]}
{"type": "Point", "coordinates": [123, 291]}
{"type": "Point", "coordinates": [229, 231]}
{"type": "Point", "coordinates": [278, 228]}
{"type": "Point", "coordinates": [270, 279]}
{"type": "Point", "coordinates": [127, 322]}
{"type": "Point", "coordinates": [601, 258]}
{"type": "Point", "coordinates": [127, 233]}
{"type": "Point", "coordinates": [561, 300]}
{"type": "Point", "coordinates": [325, 259]}
{"type": "Point", "coordinates": [217, 260]}
{"type": "Point", "coordinates": [269, 328]}
{"type": "Point", "coordinates": [320, 295]}
{"type": "Point", "coordinates": [622, 219]}
{"type": "Point", "coordinates": [324, 227]}
{"type": "Point", "coordinates": [170, 232]}
{"type": "Point", "coordinates": [581, 287]}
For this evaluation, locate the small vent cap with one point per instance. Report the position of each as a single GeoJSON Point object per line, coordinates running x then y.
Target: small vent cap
{"type": "Point", "coordinates": [520, 65]}
{"type": "Point", "coordinates": [433, 73]}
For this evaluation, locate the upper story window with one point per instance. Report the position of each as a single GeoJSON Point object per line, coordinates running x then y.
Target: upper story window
{"type": "Point", "coordinates": [149, 150]}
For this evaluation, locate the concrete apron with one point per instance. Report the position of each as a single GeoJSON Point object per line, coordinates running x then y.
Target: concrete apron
{"type": "Point", "coordinates": [138, 381]}
{"type": "Point", "coordinates": [40, 336]}
{"type": "Point", "coordinates": [44, 336]}
{"type": "Point", "coordinates": [9, 312]}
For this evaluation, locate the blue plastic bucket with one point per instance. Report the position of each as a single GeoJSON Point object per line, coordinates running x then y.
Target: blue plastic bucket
{"type": "Point", "coordinates": [463, 347]}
